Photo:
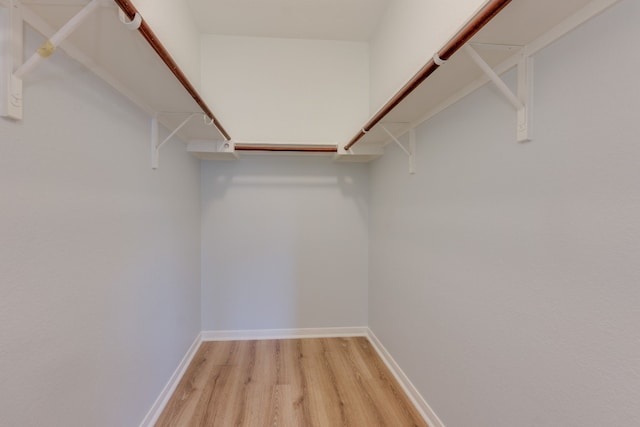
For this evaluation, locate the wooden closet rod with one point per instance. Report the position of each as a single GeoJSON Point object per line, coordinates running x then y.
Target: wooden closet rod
{"type": "Point", "coordinates": [130, 10]}
{"type": "Point", "coordinates": [491, 9]}
{"type": "Point", "coordinates": [293, 148]}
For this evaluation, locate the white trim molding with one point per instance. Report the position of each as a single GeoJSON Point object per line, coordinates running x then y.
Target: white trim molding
{"type": "Point", "coordinates": [272, 334]}
{"type": "Point", "coordinates": [162, 400]}
{"type": "Point", "coordinates": [412, 392]}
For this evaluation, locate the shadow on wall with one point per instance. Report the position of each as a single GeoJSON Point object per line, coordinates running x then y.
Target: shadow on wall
{"type": "Point", "coordinates": [276, 234]}
{"type": "Point", "coordinates": [277, 170]}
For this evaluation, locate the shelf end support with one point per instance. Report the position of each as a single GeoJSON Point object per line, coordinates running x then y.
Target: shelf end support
{"type": "Point", "coordinates": [411, 152]}
{"type": "Point", "coordinates": [155, 146]}
{"type": "Point", "coordinates": [522, 101]}
{"type": "Point", "coordinates": [11, 45]}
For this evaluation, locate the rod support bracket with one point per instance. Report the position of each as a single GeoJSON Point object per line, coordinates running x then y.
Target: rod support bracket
{"type": "Point", "coordinates": [11, 46]}
{"type": "Point", "coordinates": [47, 49]}
{"type": "Point", "coordinates": [437, 60]}
{"type": "Point", "coordinates": [130, 24]}
{"type": "Point", "coordinates": [411, 152]}
{"type": "Point", "coordinates": [155, 146]}
{"type": "Point", "coordinates": [525, 95]}
{"type": "Point", "coordinates": [522, 99]}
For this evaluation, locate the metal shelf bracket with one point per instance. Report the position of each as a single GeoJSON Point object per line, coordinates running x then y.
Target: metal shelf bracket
{"type": "Point", "coordinates": [522, 100]}
{"type": "Point", "coordinates": [155, 146]}
{"type": "Point", "coordinates": [411, 152]}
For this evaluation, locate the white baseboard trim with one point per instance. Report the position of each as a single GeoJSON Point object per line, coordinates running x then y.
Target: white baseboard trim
{"type": "Point", "coordinates": [158, 406]}
{"type": "Point", "coordinates": [416, 398]}
{"type": "Point", "coordinates": [271, 334]}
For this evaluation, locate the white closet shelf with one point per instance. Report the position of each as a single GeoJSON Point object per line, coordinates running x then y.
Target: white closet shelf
{"type": "Point", "coordinates": [125, 60]}
{"type": "Point", "coordinates": [520, 30]}
{"type": "Point", "coordinates": [230, 150]}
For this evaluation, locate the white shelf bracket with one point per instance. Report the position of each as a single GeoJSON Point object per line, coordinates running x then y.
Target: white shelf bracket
{"type": "Point", "coordinates": [522, 100]}
{"type": "Point", "coordinates": [412, 147]}
{"type": "Point", "coordinates": [155, 146]}
{"type": "Point", "coordinates": [525, 95]}
{"type": "Point", "coordinates": [11, 45]}
{"type": "Point", "coordinates": [47, 49]}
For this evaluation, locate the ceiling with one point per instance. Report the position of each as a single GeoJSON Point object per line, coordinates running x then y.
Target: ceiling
{"type": "Point", "coordinates": [353, 20]}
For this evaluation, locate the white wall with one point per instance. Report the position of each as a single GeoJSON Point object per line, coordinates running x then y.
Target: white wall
{"type": "Point", "coordinates": [286, 90]}
{"type": "Point", "coordinates": [408, 35]}
{"type": "Point", "coordinates": [99, 256]}
{"type": "Point", "coordinates": [173, 22]}
{"type": "Point", "coordinates": [504, 276]}
{"type": "Point", "coordinates": [284, 243]}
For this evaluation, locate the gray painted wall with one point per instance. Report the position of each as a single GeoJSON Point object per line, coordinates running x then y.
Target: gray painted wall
{"type": "Point", "coordinates": [276, 234]}
{"type": "Point", "coordinates": [504, 276]}
{"type": "Point", "coordinates": [99, 255]}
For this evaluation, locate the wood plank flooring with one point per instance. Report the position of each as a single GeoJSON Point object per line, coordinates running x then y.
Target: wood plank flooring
{"type": "Point", "coordinates": [324, 382]}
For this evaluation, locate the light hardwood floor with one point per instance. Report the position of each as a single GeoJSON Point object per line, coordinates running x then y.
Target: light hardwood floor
{"type": "Point", "coordinates": [322, 382]}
